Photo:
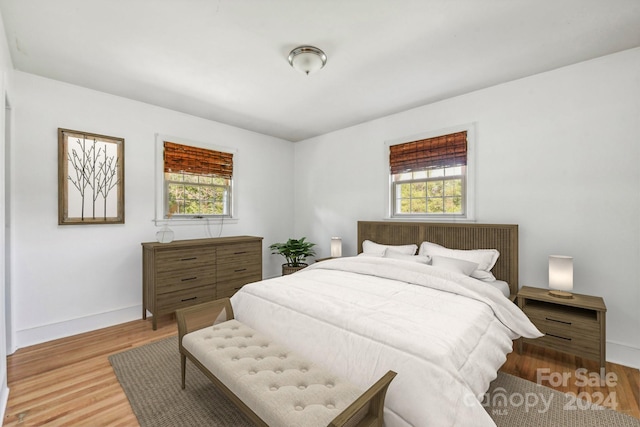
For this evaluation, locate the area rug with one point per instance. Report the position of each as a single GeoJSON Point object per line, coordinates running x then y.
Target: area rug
{"type": "Point", "coordinates": [150, 377]}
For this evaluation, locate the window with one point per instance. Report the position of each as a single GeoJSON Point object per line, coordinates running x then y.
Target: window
{"type": "Point", "coordinates": [429, 177]}
{"type": "Point", "coordinates": [197, 182]}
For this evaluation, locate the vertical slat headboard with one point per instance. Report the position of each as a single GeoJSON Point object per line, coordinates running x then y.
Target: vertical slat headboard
{"type": "Point", "coordinates": [503, 237]}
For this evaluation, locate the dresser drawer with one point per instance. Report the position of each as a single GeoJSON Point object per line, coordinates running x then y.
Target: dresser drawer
{"type": "Point", "coordinates": [171, 301]}
{"type": "Point", "coordinates": [228, 254]}
{"type": "Point", "coordinates": [567, 322]}
{"type": "Point", "coordinates": [170, 281]}
{"type": "Point", "coordinates": [227, 288]}
{"type": "Point", "coordinates": [184, 259]}
{"type": "Point", "coordinates": [581, 346]}
{"type": "Point", "coordinates": [239, 271]}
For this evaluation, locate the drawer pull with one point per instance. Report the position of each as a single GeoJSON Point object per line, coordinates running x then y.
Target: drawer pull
{"type": "Point", "coordinates": [189, 299]}
{"type": "Point", "coordinates": [558, 321]}
{"type": "Point", "coordinates": [238, 288]}
{"type": "Point", "coordinates": [240, 269]}
{"type": "Point", "coordinates": [189, 259]}
{"type": "Point", "coordinates": [240, 253]}
{"type": "Point", "coordinates": [189, 278]}
{"type": "Point", "coordinates": [558, 336]}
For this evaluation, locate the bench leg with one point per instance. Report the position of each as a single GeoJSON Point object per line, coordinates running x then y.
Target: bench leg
{"type": "Point", "coordinates": [197, 317]}
{"type": "Point", "coordinates": [368, 409]}
{"type": "Point", "coordinates": [183, 367]}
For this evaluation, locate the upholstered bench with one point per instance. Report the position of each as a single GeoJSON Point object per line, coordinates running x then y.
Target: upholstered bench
{"type": "Point", "coordinates": [271, 384]}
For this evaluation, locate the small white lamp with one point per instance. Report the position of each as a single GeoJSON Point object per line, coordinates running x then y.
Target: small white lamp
{"type": "Point", "coordinates": [336, 247]}
{"type": "Point", "coordinates": [561, 276]}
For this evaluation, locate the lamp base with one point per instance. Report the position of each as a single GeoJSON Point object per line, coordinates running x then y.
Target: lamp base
{"type": "Point", "coordinates": [561, 294]}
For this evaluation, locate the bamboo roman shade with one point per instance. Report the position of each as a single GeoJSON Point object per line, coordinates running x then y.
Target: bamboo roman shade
{"type": "Point", "coordinates": [195, 160]}
{"type": "Point", "coordinates": [438, 152]}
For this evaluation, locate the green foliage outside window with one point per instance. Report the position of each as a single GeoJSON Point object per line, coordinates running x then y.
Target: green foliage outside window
{"type": "Point", "coordinates": [195, 195]}
{"type": "Point", "coordinates": [437, 191]}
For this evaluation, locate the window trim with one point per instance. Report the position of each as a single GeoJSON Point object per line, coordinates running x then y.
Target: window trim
{"type": "Point", "coordinates": [470, 195]}
{"type": "Point", "coordinates": [160, 194]}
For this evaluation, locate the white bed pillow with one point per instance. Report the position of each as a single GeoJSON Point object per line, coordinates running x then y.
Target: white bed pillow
{"type": "Point", "coordinates": [485, 258]}
{"type": "Point", "coordinates": [485, 276]}
{"type": "Point", "coordinates": [502, 286]}
{"type": "Point", "coordinates": [454, 264]}
{"type": "Point", "coordinates": [372, 247]}
{"type": "Point", "coordinates": [373, 254]}
{"type": "Point", "coordinates": [421, 259]}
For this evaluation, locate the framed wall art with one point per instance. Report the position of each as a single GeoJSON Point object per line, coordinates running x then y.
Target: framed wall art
{"type": "Point", "coordinates": [90, 178]}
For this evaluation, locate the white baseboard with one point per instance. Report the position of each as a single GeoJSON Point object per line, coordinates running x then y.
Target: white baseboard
{"type": "Point", "coordinates": [623, 354]}
{"type": "Point", "coordinates": [40, 334]}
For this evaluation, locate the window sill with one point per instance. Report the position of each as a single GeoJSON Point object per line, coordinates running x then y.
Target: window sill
{"type": "Point", "coordinates": [193, 221]}
{"type": "Point", "coordinates": [429, 218]}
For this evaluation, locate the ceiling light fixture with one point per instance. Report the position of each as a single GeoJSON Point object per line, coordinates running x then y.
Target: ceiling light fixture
{"type": "Point", "coordinates": [307, 59]}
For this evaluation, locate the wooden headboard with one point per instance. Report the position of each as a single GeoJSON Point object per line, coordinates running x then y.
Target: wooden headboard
{"type": "Point", "coordinates": [503, 237]}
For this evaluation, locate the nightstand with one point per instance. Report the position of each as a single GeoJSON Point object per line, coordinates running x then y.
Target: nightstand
{"type": "Point", "coordinates": [573, 325]}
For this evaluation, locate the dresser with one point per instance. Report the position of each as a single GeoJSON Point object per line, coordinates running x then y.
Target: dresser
{"type": "Point", "coordinates": [573, 325]}
{"type": "Point", "coordinates": [189, 272]}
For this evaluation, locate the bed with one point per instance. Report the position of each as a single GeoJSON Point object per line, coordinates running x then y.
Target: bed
{"type": "Point", "coordinates": [444, 332]}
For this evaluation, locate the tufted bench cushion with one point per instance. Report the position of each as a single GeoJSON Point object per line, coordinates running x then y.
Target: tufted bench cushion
{"type": "Point", "coordinates": [279, 386]}
{"type": "Point", "coordinates": [271, 384]}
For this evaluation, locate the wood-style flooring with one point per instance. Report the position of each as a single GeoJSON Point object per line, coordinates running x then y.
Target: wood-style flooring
{"type": "Point", "coordinates": [618, 388]}
{"type": "Point", "coordinates": [70, 382]}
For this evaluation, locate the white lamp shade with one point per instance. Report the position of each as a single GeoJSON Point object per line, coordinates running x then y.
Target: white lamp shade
{"type": "Point", "coordinates": [336, 247]}
{"type": "Point", "coordinates": [307, 63]}
{"type": "Point", "coordinates": [561, 272]}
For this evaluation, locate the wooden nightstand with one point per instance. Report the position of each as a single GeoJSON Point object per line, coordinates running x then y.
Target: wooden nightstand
{"type": "Point", "coordinates": [575, 325]}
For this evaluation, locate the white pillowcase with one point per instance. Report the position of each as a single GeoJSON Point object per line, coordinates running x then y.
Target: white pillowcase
{"type": "Point", "coordinates": [369, 247]}
{"type": "Point", "coordinates": [421, 259]}
{"type": "Point", "coordinates": [485, 258]}
{"type": "Point", "coordinates": [454, 264]}
{"type": "Point", "coordinates": [373, 255]}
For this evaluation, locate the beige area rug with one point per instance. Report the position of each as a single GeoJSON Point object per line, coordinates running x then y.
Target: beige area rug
{"type": "Point", "coordinates": [150, 377]}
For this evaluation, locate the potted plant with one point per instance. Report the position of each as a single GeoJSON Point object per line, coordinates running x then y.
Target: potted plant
{"type": "Point", "coordinates": [295, 252]}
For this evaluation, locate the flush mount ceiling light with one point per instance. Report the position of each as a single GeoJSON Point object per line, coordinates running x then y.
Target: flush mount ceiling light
{"type": "Point", "coordinates": [307, 59]}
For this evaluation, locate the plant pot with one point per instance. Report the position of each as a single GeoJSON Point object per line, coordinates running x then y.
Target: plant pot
{"type": "Point", "coordinates": [289, 269]}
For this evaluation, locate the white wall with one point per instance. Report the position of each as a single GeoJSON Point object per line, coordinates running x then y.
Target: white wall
{"type": "Point", "coordinates": [5, 67]}
{"type": "Point", "coordinates": [73, 278]}
{"type": "Point", "coordinates": [557, 153]}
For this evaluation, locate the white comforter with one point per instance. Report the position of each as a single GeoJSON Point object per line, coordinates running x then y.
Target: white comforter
{"type": "Point", "coordinates": [445, 334]}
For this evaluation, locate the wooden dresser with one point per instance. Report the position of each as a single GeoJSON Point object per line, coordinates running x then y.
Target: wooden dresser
{"type": "Point", "coordinates": [188, 272]}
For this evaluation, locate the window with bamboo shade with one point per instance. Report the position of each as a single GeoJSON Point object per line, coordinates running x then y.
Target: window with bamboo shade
{"type": "Point", "coordinates": [197, 181]}
{"type": "Point", "coordinates": [429, 176]}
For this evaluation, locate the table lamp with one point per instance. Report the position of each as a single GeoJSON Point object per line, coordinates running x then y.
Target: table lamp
{"type": "Point", "coordinates": [336, 247]}
{"type": "Point", "coordinates": [561, 276]}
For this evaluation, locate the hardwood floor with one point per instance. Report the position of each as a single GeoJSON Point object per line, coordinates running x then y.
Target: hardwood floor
{"type": "Point", "coordinates": [70, 382]}
{"type": "Point", "coordinates": [618, 389]}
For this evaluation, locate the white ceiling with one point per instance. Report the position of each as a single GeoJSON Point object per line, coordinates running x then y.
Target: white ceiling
{"type": "Point", "coordinates": [226, 60]}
